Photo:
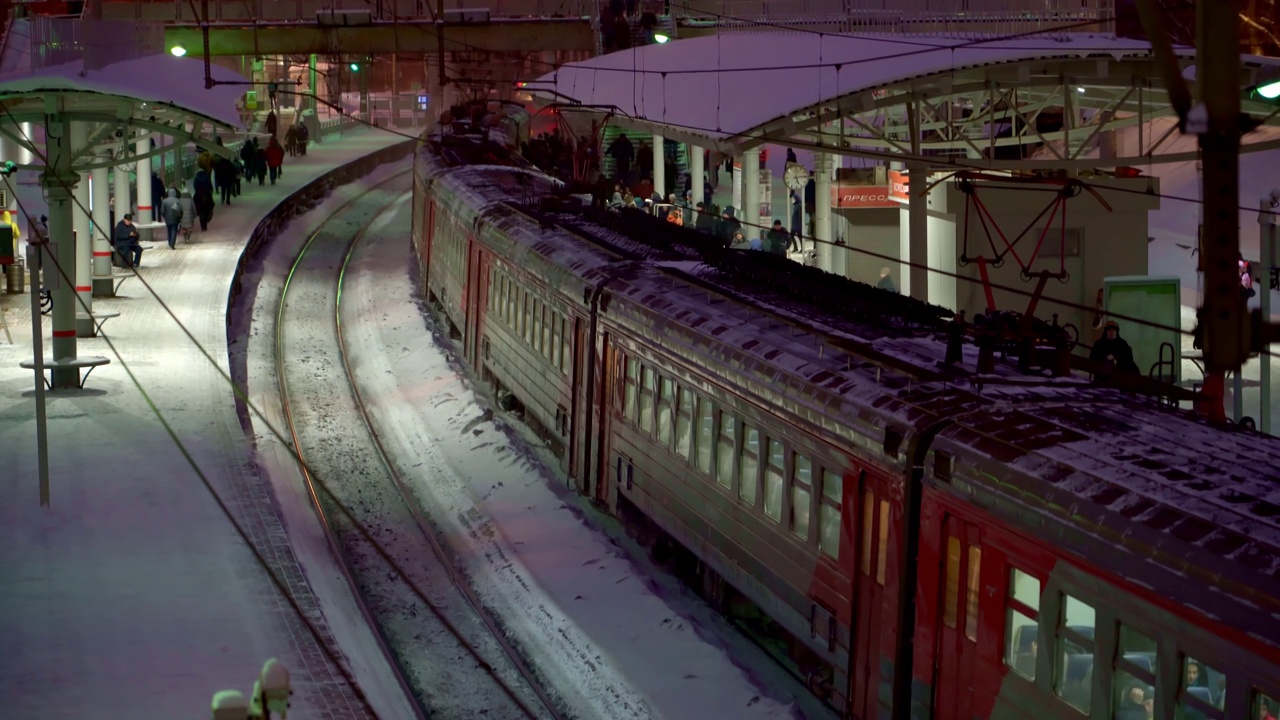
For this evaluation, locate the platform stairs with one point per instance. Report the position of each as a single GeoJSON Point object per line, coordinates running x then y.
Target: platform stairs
{"type": "Point", "coordinates": [609, 168]}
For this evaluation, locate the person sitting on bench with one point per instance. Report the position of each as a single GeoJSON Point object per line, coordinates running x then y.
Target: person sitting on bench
{"type": "Point", "coordinates": [126, 242]}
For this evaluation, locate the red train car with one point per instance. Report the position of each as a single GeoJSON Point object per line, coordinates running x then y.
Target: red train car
{"type": "Point", "coordinates": [907, 545]}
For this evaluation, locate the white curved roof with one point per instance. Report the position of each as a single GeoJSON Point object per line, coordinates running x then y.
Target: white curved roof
{"type": "Point", "coordinates": [725, 86]}
{"type": "Point", "coordinates": [162, 79]}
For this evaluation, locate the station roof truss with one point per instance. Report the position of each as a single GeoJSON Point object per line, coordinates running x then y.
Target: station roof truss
{"type": "Point", "coordinates": [160, 94]}
{"type": "Point", "coordinates": [861, 95]}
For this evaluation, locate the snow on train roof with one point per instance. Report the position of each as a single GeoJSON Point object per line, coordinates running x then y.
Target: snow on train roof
{"type": "Point", "coordinates": [1102, 446]}
{"type": "Point", "coordinates": [726, 85]}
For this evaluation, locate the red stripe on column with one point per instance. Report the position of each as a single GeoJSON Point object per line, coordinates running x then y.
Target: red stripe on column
{"type": "Point", "coordinates": [99, 253]}
{"type": "Point", "coordinates": [84, 288]}
{"type": "Point", "coordinates": [144, 207]}
{"type": "Point", "coordinates": [64, 333]}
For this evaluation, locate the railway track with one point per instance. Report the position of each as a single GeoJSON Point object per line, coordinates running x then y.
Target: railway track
{"type": "Point", "coordinates": [451, 653]}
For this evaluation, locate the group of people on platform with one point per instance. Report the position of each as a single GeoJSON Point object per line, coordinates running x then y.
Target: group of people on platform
{"type": "Point", "coordinates": [217, 179]}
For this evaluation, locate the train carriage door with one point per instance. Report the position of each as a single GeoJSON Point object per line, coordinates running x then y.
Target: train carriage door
{"type": "Point", "coordinates": [957, 625]}
{"type": "Point", "coordinates": [873, 521]}
{"type": "Point", "coordinates": [478, 282]}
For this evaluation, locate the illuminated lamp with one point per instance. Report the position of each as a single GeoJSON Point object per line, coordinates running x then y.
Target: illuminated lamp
{"type": "Point", "coordinates": [177, 51]}
{"type": "Point", "coordinates": [1270, 91]}
{"type": "Point", "coordinates": [660, 38]}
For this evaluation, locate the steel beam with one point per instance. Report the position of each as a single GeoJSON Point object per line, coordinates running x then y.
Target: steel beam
{"type": "Point", "coordinates": [407, 36]}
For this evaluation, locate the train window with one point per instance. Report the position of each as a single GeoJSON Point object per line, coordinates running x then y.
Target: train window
{"type": "Point", "coordinates": [774, 473]}
{"type": "Point", "coordinates": [1134, 684]}
{"type": "Point", "coordinates": [801, 495]}
{"type": "Point", "coordinates": [647, 386]}
{"type": "Point", "coordinates": [566, 346]}
{"type": "Point", "coordinates": [1264, 707]}
{"type": "Point", "coordinates": [829, 514]}
{"type": "Point", "coordinates": [1074, 679]}
{"type": "Point", "coordinates": [1022, 623]}
{"type": "Point", "coordinates": [971, 593]}
{"type": "Point", "coordinates": [748, 475]}
{"type": "Point", "coordinates": [665, 400]}
{"type": "Point", "coordinates": [725, 449]}
{"type": "Point", "coordinates": [868, 517]}
{"type": "Point", "coordinates": [684, 424]}
{"type": "Point", "coordinates": [548, 317]}
{"type": "Point", "coordinates": [632, 387]}
{"type": "Point", "coordinates": [1201, 692]}
{"type": "Point", "coordinates": [706, 435]}
{"type": "Point", "coordinates": [536, 338]}
{"type": "Point", "coordinates": [883, 542]}
{"type": "Point", "coordinates": [952, 580]}
{"type": "Point", "coordinates": [554, 350]}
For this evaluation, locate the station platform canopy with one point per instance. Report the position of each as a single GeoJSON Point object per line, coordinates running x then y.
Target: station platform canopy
{"type": "Point", "coordinates": [158, 93]}
{"type": "Point", "coordinates": [858, 94]}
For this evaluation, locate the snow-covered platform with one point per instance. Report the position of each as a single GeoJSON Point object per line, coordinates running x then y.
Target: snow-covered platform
{"type": "Point", "coordinates": [132, 595]}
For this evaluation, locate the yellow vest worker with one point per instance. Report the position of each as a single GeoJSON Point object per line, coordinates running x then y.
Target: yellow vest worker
{"type": "Point", "coordinates": [7, 219]}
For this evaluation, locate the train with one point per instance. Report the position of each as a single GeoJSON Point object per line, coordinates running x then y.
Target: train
{"type": "Point", "coordinates": [822, 462]}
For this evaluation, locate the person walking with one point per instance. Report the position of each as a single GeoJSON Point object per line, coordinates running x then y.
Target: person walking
{"type": "Point", "coordinates": [171, 211]}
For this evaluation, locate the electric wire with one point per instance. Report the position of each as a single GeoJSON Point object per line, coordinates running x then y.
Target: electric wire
{"type": "Point", "coordinates": [279, 435]}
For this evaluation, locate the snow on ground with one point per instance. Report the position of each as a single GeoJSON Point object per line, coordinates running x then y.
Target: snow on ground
{"type": "Point", "coordinates": [252, 363]}
{"type": "Point", "coordinates": [523, 537]}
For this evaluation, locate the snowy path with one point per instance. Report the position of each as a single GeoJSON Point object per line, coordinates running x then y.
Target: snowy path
{"type": "Point", "coordinates": [623, 640]}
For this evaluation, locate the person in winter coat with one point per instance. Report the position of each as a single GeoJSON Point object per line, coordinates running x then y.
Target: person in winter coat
{"type": "Point", "coordinates": [728, 225]}
{"type": "Point", "coordinates": [622, 153]}
{"type": "Point", "coordinates": [260, 164]}
{"type": "Point", "coordinates": [224, 175]}
{"type": "Point", "coordinates": [777, 239]}
{"type": "Point", "coordinates": [171, 212]}
{"type": "Point", "coordinates": [202, 198]}
{"type": "Point", "coordinates": [304, 136]}
{"type": "Point", "coordinates": [272, 123]}
{"type": "Point", "coordinates": [157, 191]}
{"type": "Point", "coordinates": [275, 158]}
{"type": "Point", "coordinates": [125, 239]}
{"type": "Point", "coordinates": [291, 140]}
{"type": "Point", "coordinates": [1113, 352]}
{"type": "Point", "coordinates": [7, 219]}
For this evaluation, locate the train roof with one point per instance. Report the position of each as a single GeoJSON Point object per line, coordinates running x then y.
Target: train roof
{"type": "Point", "coordinates": [1206, 497]}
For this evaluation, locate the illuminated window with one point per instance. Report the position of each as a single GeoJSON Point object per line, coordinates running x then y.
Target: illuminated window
{"type": "Point", "coordinates": [748, 475]}
{"type": "Point", "coordinates": [1021, 623]}
{"type": "Point", "coordinates": [829, 514]}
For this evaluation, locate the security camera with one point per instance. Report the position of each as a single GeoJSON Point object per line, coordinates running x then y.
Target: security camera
{"type": "Point", "coordinates": [230, 705]}
{"type": "Point", "coordinates": [119, 131]}
{"type": "Point", "coordinates": [271, 691]}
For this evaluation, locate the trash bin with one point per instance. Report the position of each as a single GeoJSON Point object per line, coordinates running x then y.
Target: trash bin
{"type": "Point", "coordinates": [14, 276]}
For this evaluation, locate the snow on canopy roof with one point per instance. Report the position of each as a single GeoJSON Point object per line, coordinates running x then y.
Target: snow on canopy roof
{"type": "Point", "coordinates": [163, 79]}
{"type": "Point", "coordinates": [725, 86]}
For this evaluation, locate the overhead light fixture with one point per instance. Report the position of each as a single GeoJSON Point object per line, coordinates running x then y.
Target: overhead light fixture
{"type": "Point", "coordinates": [1080, 90]}
{"type": "Point", "coordinates": [660, 38]}
{"type": "Point", "coordinates": [178, 51]}
{"type": "Point", "coordinates": [355, 67]}
{"type": "Point", "coordinates": [1270, 91]}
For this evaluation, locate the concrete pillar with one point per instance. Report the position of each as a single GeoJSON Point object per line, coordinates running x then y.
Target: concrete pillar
{"type": "Point", "coordinates": [59, 182]}
{"type": "Point", "coordinates": [822, 170]}
{"type": "Point", "coordinates": [918, 232]}
{"type": "Point", "coordinates": [145, 214]}
{"type": "Point", "coordinates": [697, 174]}
{"type": "Point", "coordinates": [122, 198]}
{"type": "Point", "coordinates": [749, 213]}
{"type": "Point", "coordinates": [659, 167]}
{"type": "Point", "coordinates": [102, 229]}
{"type": "Point", "coordinates": [84, 242]}
{"type": "Point", "coordinates": [29, 132]}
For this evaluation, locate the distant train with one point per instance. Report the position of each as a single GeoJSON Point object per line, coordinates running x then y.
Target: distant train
{"type": "Point", "coordinates": [911, 539]}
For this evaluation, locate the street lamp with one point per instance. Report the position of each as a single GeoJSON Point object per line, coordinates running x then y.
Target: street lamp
{"type": "Point", "coordinates": [178, 51]}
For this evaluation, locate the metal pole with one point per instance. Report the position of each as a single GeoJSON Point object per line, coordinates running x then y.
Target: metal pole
{"type": "Point", "coordinates": [59, 182]}
{"type": "Point", "coordinates": [34, 258]}
{"type": "Point", "coordinates": [1267, 245]}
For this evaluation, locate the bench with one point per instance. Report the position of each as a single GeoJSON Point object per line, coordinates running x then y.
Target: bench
{"type": "Point", "coordinates": [89, 362]}
{"type": "Point", "coordinates": [117, 279]}
{"type": "Point", "coordinates": [98, 318]}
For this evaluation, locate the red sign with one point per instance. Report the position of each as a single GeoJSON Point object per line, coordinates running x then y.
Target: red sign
{"type": "Point", "coordinates": [853, 197]}
{"type": "Point", "coordinates": [899, 183]}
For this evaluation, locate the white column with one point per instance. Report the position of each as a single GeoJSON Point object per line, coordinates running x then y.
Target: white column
{"type": "Point", "coordinates": [749, 213]}
{"type": "Point", "coordinates": [123, 202]}
{"type": "Point", "coordinates": [84, 243]}
{"type": "Point", "coordinates": [145, 214]}
{"type": "Point", "coordinates": [659, 167]}
{"type": "Point", "coordinates": [29, 132]}
{"type": "Point", "coordinates": [697, 173]}
{"type": "Point", "coordinates": [59, 182]}
{"type": "Point", "coordinates": [822, 214]}
{"type": "Point", "coordinates": [102, 228]}
{"type": "Point", "coordinates": [918, 231]}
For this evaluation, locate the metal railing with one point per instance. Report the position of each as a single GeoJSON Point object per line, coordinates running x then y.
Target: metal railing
{"type": "Point", "coordinates": [960, 18]}
{"type": "Point", "coordinates": [305, 10]}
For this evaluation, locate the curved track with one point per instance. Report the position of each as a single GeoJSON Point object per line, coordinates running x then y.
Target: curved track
{"type": "Point", "coordinates": [450, 651]}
